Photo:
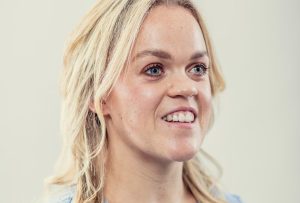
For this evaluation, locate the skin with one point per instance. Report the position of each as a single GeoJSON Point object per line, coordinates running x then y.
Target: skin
{"type": "Point", "coordinates": [144, 150]}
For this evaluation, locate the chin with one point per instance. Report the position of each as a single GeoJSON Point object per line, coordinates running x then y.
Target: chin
{"type": "Point", "coordinates": [182, 155]}
{"type": "Point", "coordinates": [184, 149]}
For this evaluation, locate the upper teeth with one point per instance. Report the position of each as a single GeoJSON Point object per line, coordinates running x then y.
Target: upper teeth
{"type": "Point", "coordinates": [181, 116]}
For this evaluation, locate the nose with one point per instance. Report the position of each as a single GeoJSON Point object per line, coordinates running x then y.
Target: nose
{"type": "Point", "coordinates": [182, 86]}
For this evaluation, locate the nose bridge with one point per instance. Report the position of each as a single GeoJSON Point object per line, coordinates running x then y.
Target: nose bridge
{"type": "Point", "coordinates": [181, 84]}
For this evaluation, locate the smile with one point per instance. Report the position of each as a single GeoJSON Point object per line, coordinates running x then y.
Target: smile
{"type": "Point", "coordinates": [180, 117]}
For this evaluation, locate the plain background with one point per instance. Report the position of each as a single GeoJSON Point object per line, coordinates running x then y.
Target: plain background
{"type": "Point", "coordinates": [256, 134]}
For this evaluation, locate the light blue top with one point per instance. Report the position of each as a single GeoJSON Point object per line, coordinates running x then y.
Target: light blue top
{"type": "Point", "coordinates": [66, 196]}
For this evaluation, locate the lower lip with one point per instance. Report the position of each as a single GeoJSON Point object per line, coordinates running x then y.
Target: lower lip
{"type": "Point", "coordinates": [179, 124]}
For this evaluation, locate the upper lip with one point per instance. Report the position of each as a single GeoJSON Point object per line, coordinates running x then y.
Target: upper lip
{"type": "Point", "coordinates": [182, 108]}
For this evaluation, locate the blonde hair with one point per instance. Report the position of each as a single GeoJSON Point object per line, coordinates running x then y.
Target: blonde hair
{"type": "Point", "coordinates": [95, 56]}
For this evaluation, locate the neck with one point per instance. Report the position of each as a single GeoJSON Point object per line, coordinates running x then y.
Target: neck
{"type": "Point", "coordinates": [132, 178]}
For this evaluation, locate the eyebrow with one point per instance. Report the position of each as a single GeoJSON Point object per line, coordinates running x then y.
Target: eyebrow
{"type": "Point", "coordinates": [165, 55]}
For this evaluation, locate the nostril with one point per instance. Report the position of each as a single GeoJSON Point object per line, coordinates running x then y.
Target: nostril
{"type": "Point", "coordinates": [187, 92]}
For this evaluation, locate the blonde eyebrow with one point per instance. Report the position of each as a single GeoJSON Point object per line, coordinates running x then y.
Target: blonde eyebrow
{"type": "Point", "coordinates": [154, 52]}
{"type": "Point", "coordinates": [165, 55]}
{"type": "Point", "coordinates": [199, 54]}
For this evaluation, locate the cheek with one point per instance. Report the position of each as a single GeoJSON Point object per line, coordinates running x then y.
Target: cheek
{"type": "Point", "coordinates": [205, 106]}
{"type": "Point", "coordinates": [136, 103]}
{"type": "Point", "coordinates": [133, 110]}
{"type": "Point", "coordinates": [145, 100]}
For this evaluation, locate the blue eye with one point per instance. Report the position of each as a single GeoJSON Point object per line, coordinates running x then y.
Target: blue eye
{"type": "Point", "coordinates": [154, 70]}
{"type": "Point", "coordinates": [199, 69]}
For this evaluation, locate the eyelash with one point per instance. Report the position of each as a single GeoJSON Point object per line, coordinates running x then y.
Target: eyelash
{"type": "Point", "coordinates": [151, 66]}
{"type": "Point", "coordinates": [155, 65]}
{"type": "Point", "coordinates": [203, 67]}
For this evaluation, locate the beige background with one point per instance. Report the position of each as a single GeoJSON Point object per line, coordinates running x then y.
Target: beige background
{"type": "Point", "coordinates": [256, 135]}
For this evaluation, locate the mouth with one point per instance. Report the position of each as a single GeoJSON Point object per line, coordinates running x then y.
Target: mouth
{"type": "Point", "coordinates": [181, 116]}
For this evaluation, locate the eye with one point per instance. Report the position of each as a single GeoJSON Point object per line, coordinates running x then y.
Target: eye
{"type": "Point", "coordinates": [199, 69]}
{"type": "Point", "coordinates": [154, 70]}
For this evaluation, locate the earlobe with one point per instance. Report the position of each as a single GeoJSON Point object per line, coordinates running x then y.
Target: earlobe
{"type": "Point", "coordinates": [103, 107]}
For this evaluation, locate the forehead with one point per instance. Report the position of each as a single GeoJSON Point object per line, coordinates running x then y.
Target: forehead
{"type": "Point", "coordinates": [170, 28]}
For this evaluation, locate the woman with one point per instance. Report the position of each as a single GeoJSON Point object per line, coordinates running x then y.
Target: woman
{"type": "Point", "coordinates": [138, 84]}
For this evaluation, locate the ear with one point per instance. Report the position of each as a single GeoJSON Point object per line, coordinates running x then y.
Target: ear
{"type": "Point", "coordinates": [103, 106]}
{"type": "Point", "coordinates": [92, 106]}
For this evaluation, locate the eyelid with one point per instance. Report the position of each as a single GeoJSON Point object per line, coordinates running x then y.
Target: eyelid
{"type": "Point", "coordinates": [204, 66]}
{"type": "Point", "coordinates": [148, 67]}
{"type": "Point", "coordinates": [153, 65]}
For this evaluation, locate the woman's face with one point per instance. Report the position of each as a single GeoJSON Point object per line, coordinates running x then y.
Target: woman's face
{"type": "Point", "coordinates": [160, 106]}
